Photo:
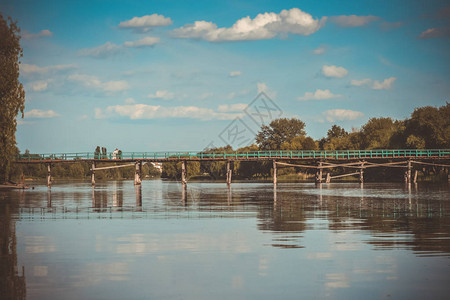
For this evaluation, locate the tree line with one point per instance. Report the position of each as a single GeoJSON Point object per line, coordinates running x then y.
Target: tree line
{"type": "Point", "coordinates": [427, 128]}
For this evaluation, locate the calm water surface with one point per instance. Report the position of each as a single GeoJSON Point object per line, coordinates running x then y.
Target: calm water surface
{"type": "Point", "coordinates": [299, 241]}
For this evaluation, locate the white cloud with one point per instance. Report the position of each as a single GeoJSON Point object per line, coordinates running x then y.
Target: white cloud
{"type": "Point", "coordinates": [232, 107]}
{"type": "Point", "coordinates": [105, 50]}
{"type": "Point", "coordinates": [39, 86]}
{"type": "Point", "coordinates": [130, 101]}
{"type": "Point", "coordinates": [435, 33]}
{"type": "Point", "coordinates": [28, 35]}
{"type": "Point", "coordinates": [320, 50]}
{"type": "Point", "coordinates": [93, 82]}
{"type": "Point", "coordinates": [263, 26]}
{"type": "Point", "coordinates": [40, 114]}
{"type": "Point", "coordinates": [263, 88]}
{"type": "Point", "coordinates": [353, 20]}
{"type": "Point", "coordinates": [319, 95]}
{"type": "Point", "coordinates": [109, 49]}
{"type": "Point", "coordinates": [341, 115]}
{"type": "Point", "coordinates": [144, 111]}
{"type": "Point", "coordinates": [235, 73]}
{"type": "Point", "coordinates": [375, 85]}
{"type": "Point", "coordinates": [146, 23]}
{"type": "Point", "coordinates": [334, 71]}
{"type": "Point", "coordinates": [27, 69]}
{"type": "Point", "coordinates": [145, 42]}
{"type": "Point", "coordinates": [385, 85]}
{"type": "Point", "coordinates": [162, 94]}
{"type": "Point", "coordinates": [365, 81]}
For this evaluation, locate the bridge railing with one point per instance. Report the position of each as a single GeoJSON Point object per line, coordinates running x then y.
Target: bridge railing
{"type": "Point", "coordinates": [295, 154]}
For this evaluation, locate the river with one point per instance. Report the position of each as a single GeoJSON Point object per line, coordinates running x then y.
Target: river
{"type": "Point", "coordinates": [250, 241]}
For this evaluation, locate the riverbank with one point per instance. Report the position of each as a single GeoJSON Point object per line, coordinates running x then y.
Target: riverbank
{"type": "Point", "coordinates": [10, 185]}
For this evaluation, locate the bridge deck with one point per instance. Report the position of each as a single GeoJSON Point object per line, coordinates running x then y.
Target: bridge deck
{"type": "Point", "coordinates": [242, 156]}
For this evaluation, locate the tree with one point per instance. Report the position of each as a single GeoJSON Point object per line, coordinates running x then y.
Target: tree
{"type": "Point", "coordinates": [432, 125]}
{"type": "Point", "coordinates": [377, 133]}
{"type": "Point", "coordinates": [336, 138]}
{"type": "Point", "coordinates": [336, 131]}
{"type": "Point", "coordinates": [414, 142]}
{"type": "Point", "coordinates": [12, 94]}
{"type": "Point", "coordinates": [278, 132]}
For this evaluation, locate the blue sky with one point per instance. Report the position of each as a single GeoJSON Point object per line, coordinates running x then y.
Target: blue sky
{"type": "Point", "coordinates": [180, 75]}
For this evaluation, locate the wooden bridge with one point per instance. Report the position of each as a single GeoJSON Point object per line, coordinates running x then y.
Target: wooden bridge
{"type": "Point", "coordinates": [318, 160]}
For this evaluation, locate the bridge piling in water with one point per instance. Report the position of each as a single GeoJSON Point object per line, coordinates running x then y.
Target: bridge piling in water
{"type": "Point", "coordinates": [93, 174]}
{"type": "Point", "coordinates": [274, 172]}
{"type": "Point", "coordinates": [183, 174]}
{"type": "Point", "coordinates": [49, 175]}
{"type": "Point", "coordinates": [229, 172]}
{"type": "Point", "coordinates": [408, 172]}
{"type": "Point", "coordinates": [361, 173]}
{"type": "Point", "coordinates": [138, 173]}
{"type": "Point", "coordinates": [319, 174]}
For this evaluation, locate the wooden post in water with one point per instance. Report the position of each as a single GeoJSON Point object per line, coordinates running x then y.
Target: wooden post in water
{"type": "Point", "coordinates": [49, 174]}
{"type": "Point", "coordinates": [408, 173]}
{"type": "Point", "coordinates": [183, 173]}
{"type": "Point", "coordinates": [319, 173]}
{"type": "Point", "coordinates": [93, 174]}
{"type": "Point", "coordinates": [138, 190]}
{"type": "Point", "coordinates": [415, 176]}
{"type": "Point", "coordinates": [361, 173]}
{"type": "Point", "coordinates": [229, 172]}
{"type": "Point", "coordinates": [137, 173]}
{"type": "Point", "coordinates": [274, 172]}
{"type": "Point", "coordinates": [328, 180]}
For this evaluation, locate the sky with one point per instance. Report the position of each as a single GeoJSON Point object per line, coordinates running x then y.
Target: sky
{"type": "Point", "coordinates": [189, 75]}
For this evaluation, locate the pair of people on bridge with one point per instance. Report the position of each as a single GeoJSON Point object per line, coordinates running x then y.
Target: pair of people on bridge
{"type": "Point", "coordinates": [117, 154]}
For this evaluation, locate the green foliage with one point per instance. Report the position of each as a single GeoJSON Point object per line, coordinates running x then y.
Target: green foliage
{"type": "Point", "coordinates": [12, 94]}
{"type": "Point", "coordinates": [172, 170]}
{"type": "Point", "coordinates": [415, 142]}
{"type": "Point", "coordinates": [280, 131]}
{"type": "Point", "coordinates": [377, 133]}
{"type": "Point", "coordinates": [216, 169]}
{"type": "Point", "coordinates": [432, 125]}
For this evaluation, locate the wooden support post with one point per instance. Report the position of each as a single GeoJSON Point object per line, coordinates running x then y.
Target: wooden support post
{"type": "Point", "coordinates": [183, 173]}
{"type": "Point", "coordinates": [138, 173]}
{"type": "Point", "coordinates": [93, 174]}
{"type": "Point", "coordinates": [229, 172]}
{"type": "Point", "coordinates": [274, 172]}
{"type": "Point", "coordinates": [415, 176]}
{"type": "Point", "coordinates": [49, 175]}
{"type": "Point", "coordinates": [361, 173]}
{"type": "Point", "coordinates": [408, 173]}
{"type": "Point", "coordinates": [319, 174]}
{"type": "Point", "coordinates": [328, 178]}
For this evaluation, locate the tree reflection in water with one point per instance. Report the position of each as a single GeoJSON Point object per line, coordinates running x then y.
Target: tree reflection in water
{"type": "Point", "coordinates": [413, 223]}
{"type": "Point", "coordinates": [12, 285]}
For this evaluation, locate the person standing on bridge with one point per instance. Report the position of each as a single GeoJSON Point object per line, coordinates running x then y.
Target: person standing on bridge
{"type": "Point", "coordinates": [115, 154]}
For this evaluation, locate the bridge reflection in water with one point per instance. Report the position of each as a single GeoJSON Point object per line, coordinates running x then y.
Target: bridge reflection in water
{"type": "Point", "coordinates": [283, 210]}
